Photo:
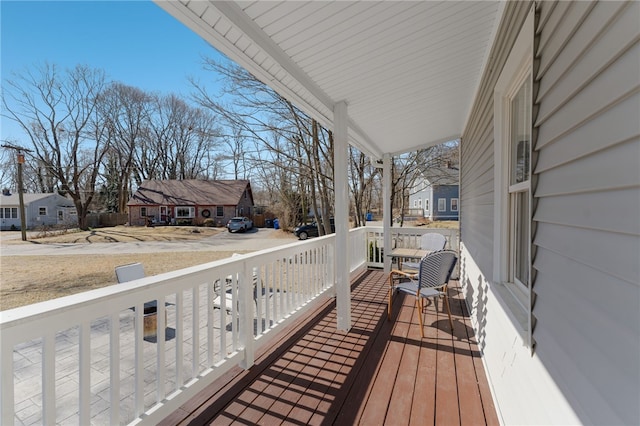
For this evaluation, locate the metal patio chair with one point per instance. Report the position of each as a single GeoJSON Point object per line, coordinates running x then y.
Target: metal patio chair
{"type": "Point", "coordinates": [431, 281]}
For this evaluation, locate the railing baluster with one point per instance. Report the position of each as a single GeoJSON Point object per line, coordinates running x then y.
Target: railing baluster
{"type": "Point", "coordinates": [85, 373]}
{"type": "Point", "coordinates": [49, 379]}
{"type": "Point", "coordinates": [7, 400]}
{"type": "Point", "coordinates": [234, 311]}
{"type": "Point", "coordinates": [195, 360]}
{"type": "Point", "coordinates": [138, 334]}
{"type": "Point", "coordinates": [161, 326]}
{"type": "Point", "coordinates": [210, 318]}
{"type": "Point", "coordinates": [114, 366]}
{"type": "Point", "coordinates": [179, 339]}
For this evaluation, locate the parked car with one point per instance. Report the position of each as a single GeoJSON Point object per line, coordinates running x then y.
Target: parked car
{"type": "Point", "coordinates": [239, 224]}
{"type": "Point", "coordinates": [310, 230]}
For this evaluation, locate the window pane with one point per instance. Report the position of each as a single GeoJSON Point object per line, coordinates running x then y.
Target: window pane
{"type": "Point", "coordinates": [521, 237]}
{"type": "Point", "coordinates": [521, 133]}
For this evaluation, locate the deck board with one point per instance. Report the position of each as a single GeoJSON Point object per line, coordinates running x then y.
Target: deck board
{"type": "Point", "coordinates": [380, 372]}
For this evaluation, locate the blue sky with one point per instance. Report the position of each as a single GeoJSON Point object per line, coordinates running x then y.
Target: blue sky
{"type": "Point", "coordinates": [134, 42]}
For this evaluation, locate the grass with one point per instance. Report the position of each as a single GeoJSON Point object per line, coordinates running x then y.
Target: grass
{"type": "Point", "coordinates": [31, 279]}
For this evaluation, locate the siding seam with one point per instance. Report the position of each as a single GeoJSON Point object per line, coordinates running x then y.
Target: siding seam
{"type": "Point", "coordinates": [590, 117]}
{"type": "Point", "coordinates": [579, 55]}
{"type": "Point", "coordinates": [587, 81]}
{"type": "Point", "coordinates": [587, 154]}
{"type": "Point", "coordinates": [570, 225]}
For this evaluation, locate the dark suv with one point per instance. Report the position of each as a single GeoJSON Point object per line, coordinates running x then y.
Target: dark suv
{"type": "Point", "coordinates": [311, 230]}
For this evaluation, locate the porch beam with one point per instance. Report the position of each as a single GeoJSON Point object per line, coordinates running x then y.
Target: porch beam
{"type": "Point", "coordinates": [341, 215]}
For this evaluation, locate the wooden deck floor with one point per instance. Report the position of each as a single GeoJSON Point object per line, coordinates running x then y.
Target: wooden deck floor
{"type": "Point", "coordinates": [380, 372]}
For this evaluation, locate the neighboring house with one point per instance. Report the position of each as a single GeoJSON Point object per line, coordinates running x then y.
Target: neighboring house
{"type": "Point", "coordinates": [437, 195]}
{"type": "Point", "coordinates": [40, 210]}
{"type": "Point", "coordinates": [190, 201]}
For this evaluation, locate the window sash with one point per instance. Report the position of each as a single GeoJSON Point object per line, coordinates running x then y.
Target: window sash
{"type": "Point", "coordinates": [185, 212]}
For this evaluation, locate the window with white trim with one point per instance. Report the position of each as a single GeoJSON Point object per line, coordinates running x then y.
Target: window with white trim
{"type": "Point", "coordinates": [442, 204]}
{"type": "Point", "coordinates": [42, 211]}
{"type": "Point", "coordinates": [9, 213]}
{"type": "Point", "coordinates": [426, 204]}
{"type": "Point", "coordinates": [185, 212]}
{"type": "Point", "coordinates": [513, 129]}
{"type": "Point", "coordinates": [454, 204]}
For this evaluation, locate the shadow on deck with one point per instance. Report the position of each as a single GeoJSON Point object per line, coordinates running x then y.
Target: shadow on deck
{"type": "Point", "coordinates": [380, 372]}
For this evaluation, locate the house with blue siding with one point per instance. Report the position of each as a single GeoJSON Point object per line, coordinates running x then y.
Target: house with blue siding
{"type": "Point", "coordinates": [436, 193]}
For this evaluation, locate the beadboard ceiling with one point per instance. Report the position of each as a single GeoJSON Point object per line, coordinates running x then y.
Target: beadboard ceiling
{"type": "Point", "coordinates": [408, 70]}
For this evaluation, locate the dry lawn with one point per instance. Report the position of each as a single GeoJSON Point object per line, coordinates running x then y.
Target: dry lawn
{"type": "Point", "coordinates": [30, 279]}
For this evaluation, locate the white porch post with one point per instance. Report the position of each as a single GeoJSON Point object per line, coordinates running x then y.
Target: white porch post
{"type": "Point", "coordinates": [386, 210]}
{"type": "Point", "coordinates": [340, 156]}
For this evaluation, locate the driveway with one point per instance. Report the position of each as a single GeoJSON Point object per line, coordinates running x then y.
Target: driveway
{"type": "Point", "coordinates": [253, 240]}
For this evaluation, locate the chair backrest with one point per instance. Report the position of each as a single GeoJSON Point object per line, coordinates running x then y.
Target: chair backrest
{"type": "Point", "coordinates": [436, 268]}
{"type": "Point", "coordinates": [130, 272]}
{"type": "Point", "coordinates": [432, 241]}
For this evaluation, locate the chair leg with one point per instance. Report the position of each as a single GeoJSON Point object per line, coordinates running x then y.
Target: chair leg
{"type": "Point", "coordinates": [446, 302]}
{"type": "Point", "coordinates": [419, 308]}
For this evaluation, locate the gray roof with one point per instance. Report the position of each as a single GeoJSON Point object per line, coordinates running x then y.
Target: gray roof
{"type": "Point", "coordinates": [442, 176]}
{"type": "Point", "coordinates": [28, 198]}
{"type": "Point", "coordinates": [190, 192]}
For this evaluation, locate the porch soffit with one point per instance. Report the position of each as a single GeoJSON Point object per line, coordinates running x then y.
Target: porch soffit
{"type": "Point", "coordinates": [408, 70]}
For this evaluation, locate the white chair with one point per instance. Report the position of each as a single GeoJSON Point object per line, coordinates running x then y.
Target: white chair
{"type": "Point", "coordinates": [228, 295]}
{"type": "Point", "coordinates": [135, 271]}
{"type": "Point", "coordinates": [431, 241]}
{"type": "Point", "coordinates": [228, 292]}
{"type": "Point", "coordinates": [131, 272]}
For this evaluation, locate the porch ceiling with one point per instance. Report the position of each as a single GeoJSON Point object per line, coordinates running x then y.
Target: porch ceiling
{"type": "Point", "coordinates": [408, 70]}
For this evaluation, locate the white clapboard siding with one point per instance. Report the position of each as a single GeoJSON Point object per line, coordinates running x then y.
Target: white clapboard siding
{"type": "Point", "coordinates": [585, 366]}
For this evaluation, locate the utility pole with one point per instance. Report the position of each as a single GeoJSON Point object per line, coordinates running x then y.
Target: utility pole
{"type": "Point", "coordinates": [23, 222]}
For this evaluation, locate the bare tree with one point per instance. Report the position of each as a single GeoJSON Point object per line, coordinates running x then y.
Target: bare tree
{"type": "Point", "coordinates": [125, 111]}
{"type": "Point", "coordinates": [362, 178]}
{"type": "Point", "coordinates": [179, 143]}
{"type": "Point", "coordinates": [59, 115]}
{"type": "Point", "coordinates": [284, 138]}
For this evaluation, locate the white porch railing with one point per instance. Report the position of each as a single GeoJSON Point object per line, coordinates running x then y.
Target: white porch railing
{"type": "Point", "coordinates": [67, 359]}
{"type": "Point", "coordinates": [405, 237]}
